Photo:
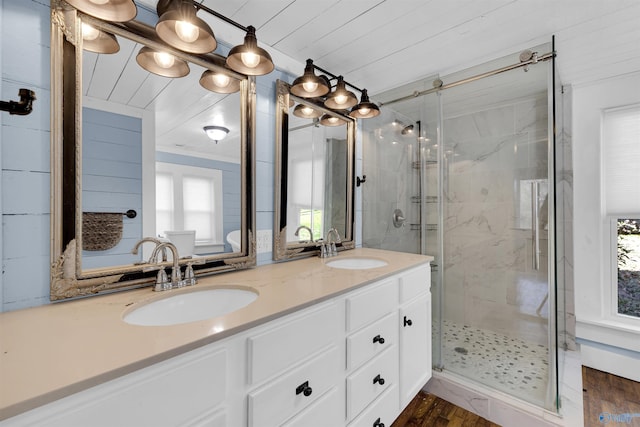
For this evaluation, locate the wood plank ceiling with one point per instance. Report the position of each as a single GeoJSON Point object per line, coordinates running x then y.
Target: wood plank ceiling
{"type": "Point", "coordinates": [384, 44]}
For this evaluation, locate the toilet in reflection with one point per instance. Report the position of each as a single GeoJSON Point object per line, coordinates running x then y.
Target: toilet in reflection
{"type": "Point", "coordinates": [184, 241]}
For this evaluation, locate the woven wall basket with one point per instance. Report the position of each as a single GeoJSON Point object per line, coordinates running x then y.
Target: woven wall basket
{"type": "Point", "coordinates": [101, 231]}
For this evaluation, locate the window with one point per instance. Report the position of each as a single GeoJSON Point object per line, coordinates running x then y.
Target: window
{"type": "Point", "coordinates": [628, 261]}
{"type": "Point", "coordinates": [621, 185]}
{"type": "Point", "coordinates": [189, 198]}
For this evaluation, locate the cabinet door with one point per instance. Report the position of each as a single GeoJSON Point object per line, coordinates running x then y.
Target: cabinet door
{"type": "Point", "coordinates": [415, 347]}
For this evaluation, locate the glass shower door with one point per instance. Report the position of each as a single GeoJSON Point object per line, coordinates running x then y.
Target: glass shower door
{"type": "Point", "coordinates": [497, 194]}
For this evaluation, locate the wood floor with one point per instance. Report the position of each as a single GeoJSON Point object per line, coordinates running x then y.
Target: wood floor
{"type": "Point", "coordinates": [427, 410]}
{"type": "Point", "coordinates": [608, 400]}
{"type": "Point", "coordinates": [615, 399]}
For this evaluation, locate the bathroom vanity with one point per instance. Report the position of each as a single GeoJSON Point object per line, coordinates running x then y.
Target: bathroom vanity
{"type": "Point", "coordinates": [320, 345]}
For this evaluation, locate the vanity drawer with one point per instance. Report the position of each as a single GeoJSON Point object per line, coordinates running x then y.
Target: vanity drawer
{"type": "Point", "coordinates": [371, 340]}
{"type": "Point", "coordinates": [415, 282]}
{"type": "Point", "coordinates": [297, 338]}
{"type": "Point", "coordinates": [326, 411]}
{"type": "Point", "coordinates": [384, 409]}
{"type": "Point", "coordinates": [364, 385]}
{"type": "Point", "coordinates": [285, 396]}
{"type": "Point", "coordinates": [371, 304]}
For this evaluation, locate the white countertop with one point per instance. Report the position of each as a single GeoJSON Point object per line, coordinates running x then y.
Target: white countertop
{"type": "Point", "coordinates": [52, 351]}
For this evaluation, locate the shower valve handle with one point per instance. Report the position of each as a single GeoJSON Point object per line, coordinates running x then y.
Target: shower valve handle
{"type": "Point", "coordinates": [407, 322]}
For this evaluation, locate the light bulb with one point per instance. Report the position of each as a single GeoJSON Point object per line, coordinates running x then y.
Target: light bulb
{"type": "Point", "coordinates": [333, 119]}
{"type": "Point", "coordinates": [186, 31]}
{"type": "Point", "coordinates": [307, 111]}
{"type": "Point", "coordinates": [364, 110]}
{"type": "Point", "coordinates": [99, 1]}
{"type": "Point", "coordinates": [340, 99]}
{"type": "Point", "coordinates": [310, 86]}
{"type": "Point", "coordinates": [250, 59]}
{"type": "Point", "coordinates": [221, 80]}
{"type": "Point", "coordinates": [163, 59]}
{"type": "Point", "coordinates": [89, 32]}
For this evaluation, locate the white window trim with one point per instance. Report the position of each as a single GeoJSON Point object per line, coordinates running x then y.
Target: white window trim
{"type": "Point", "coordinates": [178, 170]}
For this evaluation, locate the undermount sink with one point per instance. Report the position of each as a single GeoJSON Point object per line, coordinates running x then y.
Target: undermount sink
{"type": "Point", "coordinates": [191, 306]}
{"type": "Point", "coordinates": [356, 263]}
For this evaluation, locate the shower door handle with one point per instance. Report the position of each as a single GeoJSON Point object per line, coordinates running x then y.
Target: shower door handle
{"type": "Point", "coordinates": [535, 225]}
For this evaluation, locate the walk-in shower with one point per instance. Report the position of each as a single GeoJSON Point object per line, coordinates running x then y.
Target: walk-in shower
{"type": "Point", "coordinates": [468, 162]}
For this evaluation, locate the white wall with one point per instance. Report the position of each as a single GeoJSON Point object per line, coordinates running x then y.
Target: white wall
{"type": "Point", "coordinates": [592, 280]}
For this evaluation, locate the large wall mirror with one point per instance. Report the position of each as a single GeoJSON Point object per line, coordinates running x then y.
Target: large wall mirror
{"type": "Point", "coordinates": [136, 154]}
{"type": "Point", "coordinates": [314, 176]}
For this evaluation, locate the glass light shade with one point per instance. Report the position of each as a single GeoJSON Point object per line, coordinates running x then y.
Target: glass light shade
{"type": "Point", "coordinates": [179, 27]}
{"type": "Point", "coordinates": [98, 41]}
{"type": "Point", "coordinates": [219, 82]}
{"type": "Point", "coordinates": [309, 85]}
{"type": "Point", "coordinates": [306, 112]}
{"type": "Point", "coordinates": [216, 133]}
{"type": "Point", "coordinates": [109, 10]}
{"type": "Point", "coordinates": [341, 98]}
{"type": "Point", "coordinates": [161, 63]}
{"type": "Point", "coordinates": [248, 58]}
{"type": "Point", "coordinates": [365, 109]}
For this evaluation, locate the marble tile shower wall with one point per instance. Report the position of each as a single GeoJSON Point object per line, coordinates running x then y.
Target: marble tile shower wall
{"type": "Point", "coordinates": [489, 280]}
{"type": "Point", "coordinates": [391, 183]}
{"type": "Point", "coordinates": [25, 155]}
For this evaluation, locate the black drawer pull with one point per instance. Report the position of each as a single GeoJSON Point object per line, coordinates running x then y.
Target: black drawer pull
{"type": "Point", "coordinates": [378, 379]}
{"type": "Point", "coordinates": [304, 389]}
{"type": "Point", "coordinates": [377, 423]}
{"type": "Point", "coordinates": [379, 339]}
{"type": "Point", "coordinates": [407, 322]}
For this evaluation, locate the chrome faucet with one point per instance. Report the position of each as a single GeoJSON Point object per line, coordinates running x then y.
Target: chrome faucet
{"type": "Point", "coordinates": [162, 281]}
{"type": "Point", "coordinates": [154, 240]}
{"type": "Point", "coordinates": [304, 227]}
{"type": "Point", "coordinates": [328, 247]}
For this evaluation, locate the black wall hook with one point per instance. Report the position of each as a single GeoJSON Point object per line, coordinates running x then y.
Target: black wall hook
{"type": "Point", "coordinates": [22, 107]}
{"type": "Point", "coordinates": [360, 181]}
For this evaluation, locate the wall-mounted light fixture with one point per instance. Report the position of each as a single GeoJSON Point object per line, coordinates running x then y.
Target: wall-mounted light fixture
{"type": "Point", "coordinates": [306, 112]}
{"type": "Point", "coordinates": [161, 63]}
{"type": "Point", "coordinates": [216, 133]}
{"type": "Point", "coordinates": [179, 28]}
{"type": "Point", "coordinates": [107, 10]}
{"type": "Point", "coordinates": [310, 85]}
{"type": "Point", "coordinates": [98, 41]}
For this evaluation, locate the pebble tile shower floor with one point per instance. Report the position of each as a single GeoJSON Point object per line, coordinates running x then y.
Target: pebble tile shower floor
{"type": "Point", "coordinates": [507, 364]}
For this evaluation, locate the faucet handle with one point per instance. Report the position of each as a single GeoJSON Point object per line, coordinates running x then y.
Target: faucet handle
{"type": "Point", "coordinates": [189, 276]}
{"type": "Point", "coordinates": [162, 281]}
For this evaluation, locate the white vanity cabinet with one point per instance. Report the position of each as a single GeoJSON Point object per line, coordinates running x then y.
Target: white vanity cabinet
{"type": "Point", "coordinates": [355, 359]}
{"type": "Point", "coordinates": [292, 363]}
{"type": "Point", "coordinates": [415, 332]}
{"type": "Point", "coordinates": [189, 390]}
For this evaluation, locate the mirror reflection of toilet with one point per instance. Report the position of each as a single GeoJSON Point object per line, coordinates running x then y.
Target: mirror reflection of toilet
{"type": "Point", "coordinates": [184, 241]}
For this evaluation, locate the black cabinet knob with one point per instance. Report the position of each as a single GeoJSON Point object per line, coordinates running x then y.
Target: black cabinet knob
{"type": "Point", "coordinates": [407, 322]}
{"type": "Point", "coordinates": [377, 423]}
{"type": "Point", "coordinates": [379, 339]}
{"type": "Point", "coordinates": [378, 379]}
{"type": "Point", "coordinates": [304, 389]}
